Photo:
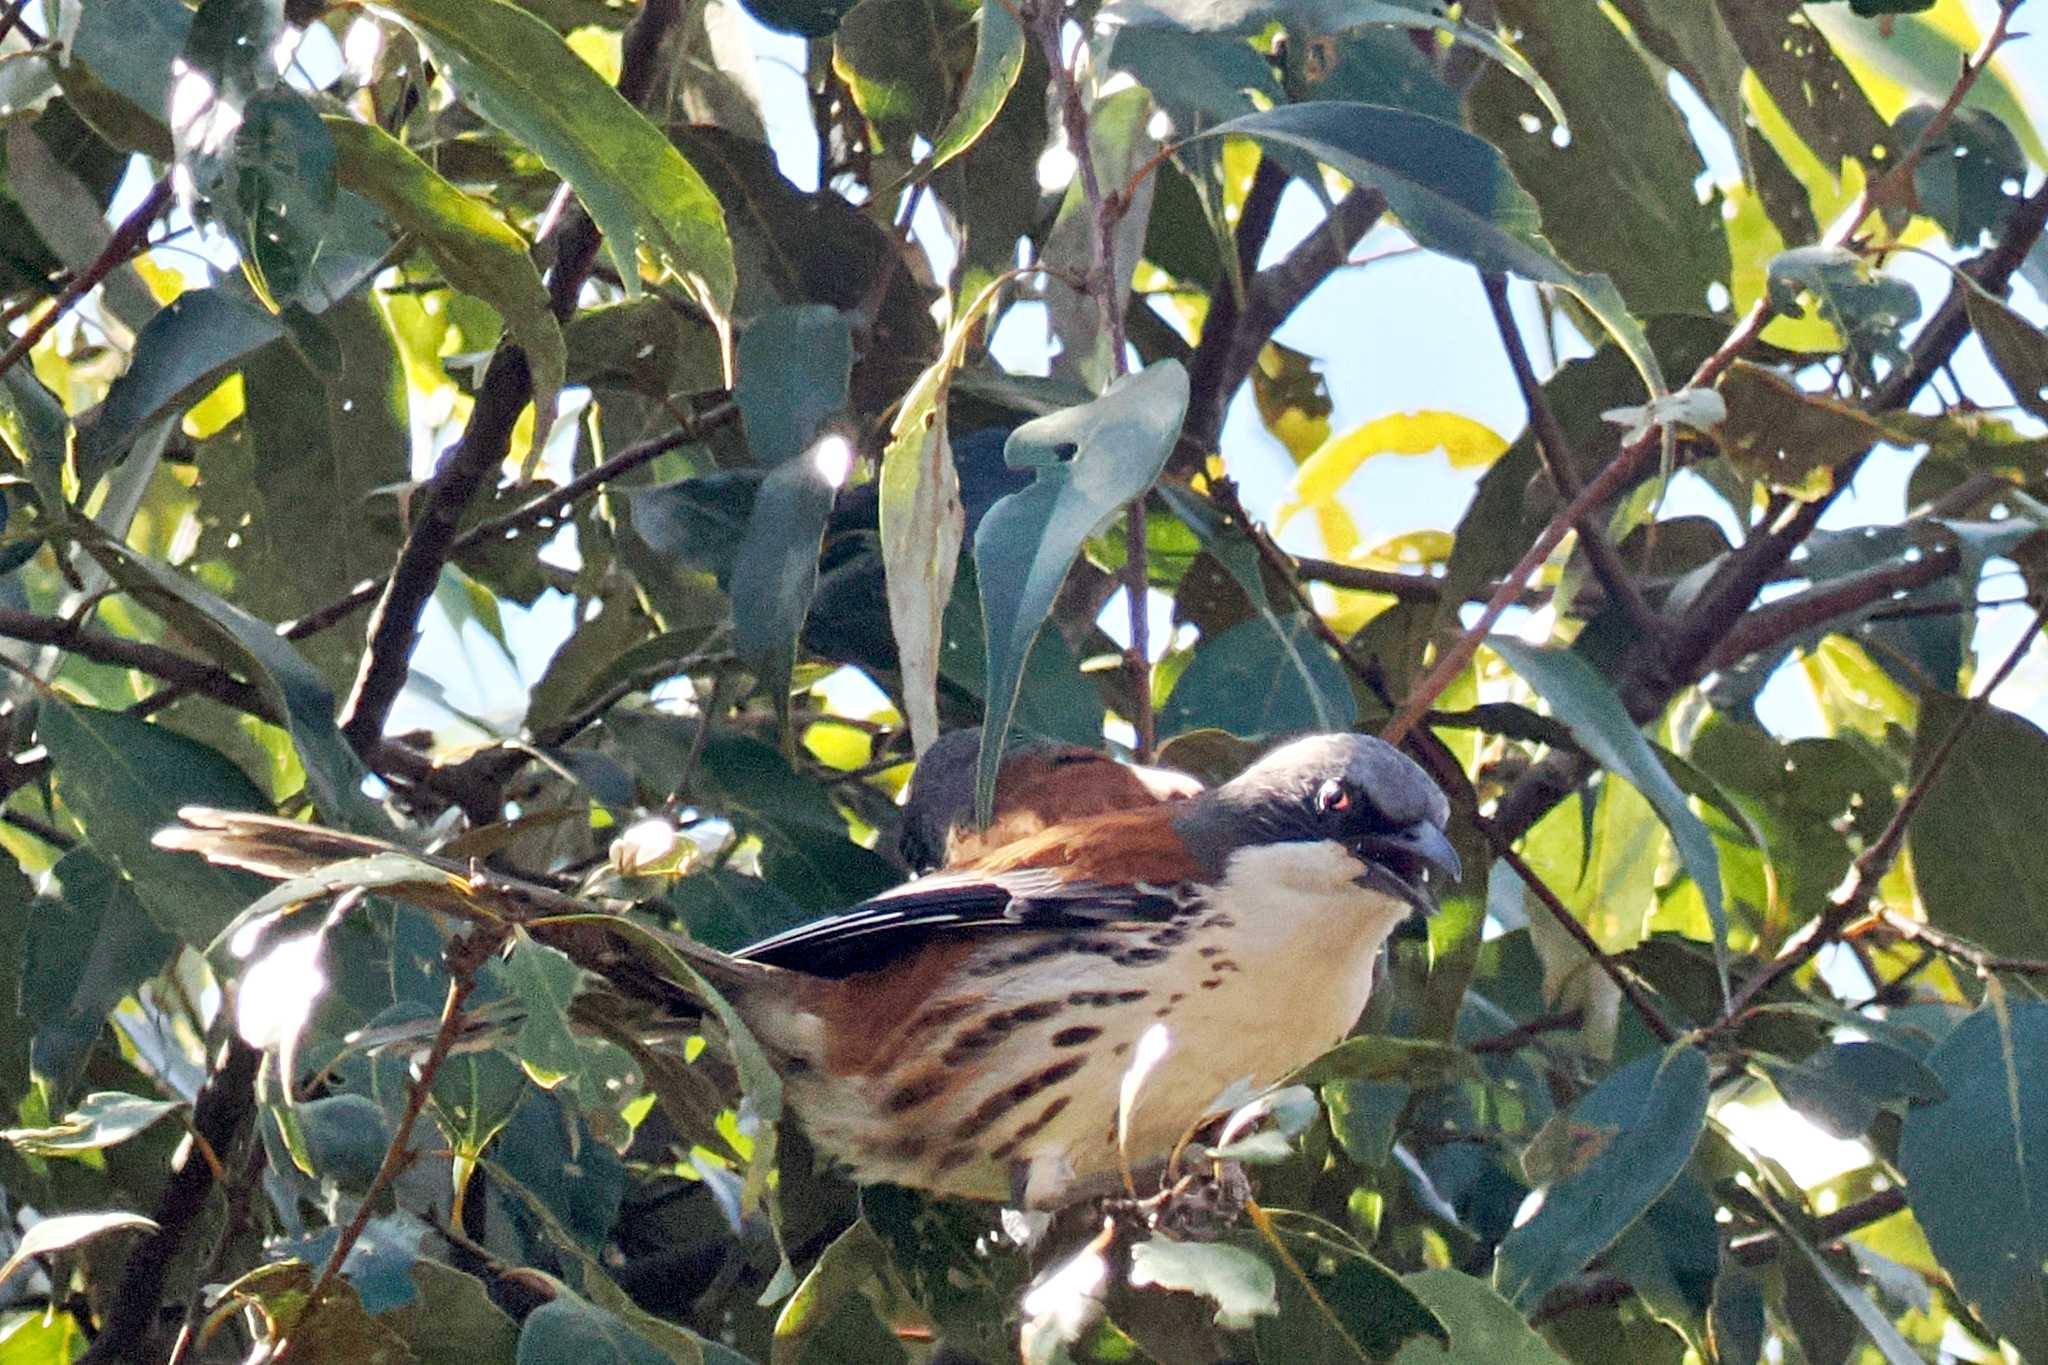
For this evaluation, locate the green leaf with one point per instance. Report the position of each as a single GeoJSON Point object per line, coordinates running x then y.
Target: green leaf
{"type": "Point", "coordinates": [2017, 348]}
{"type": "Point", "coordinates": [1590, 708]}
{"type": "Point", "coordinates": [1842, 1088]}
{"type": "Point", "coordinates": [1254, 680]}
{"type": "Point", "coordinates": [1787, 438]}
{"type": "Point", "coordinates": [1624, 176]}
{"type": "Point", "coordinates": [805, 847]}
{"type": "Point", "coordinates": [1962, 175]}
{"type": "Point", "coordinates": [809, 18]}
{"type": "Point", "coordinates": [1485, 1328]}
{"type": "Point", "coordinates": [89, 943]}
{"type": "Point", "coordinates": [1240, 1283]}
{"type": "Point", "coordinates": [1973, 1166]}
{"type": "Point", "coordinates": [1453, 194]}
{"type": "Point", "coordinates": [1868, 307]}
{"type": "Point", "coordinates": [52, 1235]}
{"type": "Point", "coordinates": [123, 779]}
{"type": "Point", "coordinates": [453, 1321]}
{"type": "Point", "coordinates": [998, 57]}
{"type": "Point", "coordinates": [253, 149]}
{"type": "Point", "coordinates": [183, 351]}
{"type": "Point", "coordinates": [1972, 838]}
{"type": "Point", "coordinates": [1891, 1344]}
{"type": "Point", "coordinates": [105, 1118]}
{"type": "Point", "coordinates": [519, 74]}
{"type": "Point", "coordinates": [1810, 85]}
{"type": "Point", "coordinates": [597, 1072]}
{"type": "Point", "coordinates": [853, 1261]}
{"type": "Point", "coordinates": [297, 694]}
{"type": "Point", "coordinates": [1645, 1119]}
{"type": "Point", "coordinates": [477, 252]}
{"type": "Point", "coordinates": [344, 1137]}
{"type": "Point", "coordinates": [1336, 1302]}
{"type": "Point", "coordinates": [1029, 539]}
{"type": "Point", "coordinates": [795, 366]}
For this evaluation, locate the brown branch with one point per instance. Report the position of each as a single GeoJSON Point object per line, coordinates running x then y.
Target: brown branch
{"type": "Point", "coordinates": [1980, 960]}
{"type": "Point", "coordinates": [225, 1103]}
{"type": "Point", "coordinates": [1631, 989]}
{"type": "Point", "coordinates": [1761, 1248]}
{"type": "Point", "coordinates": [466, 957]}
{"type": "Point", "coordinates": [127, 239]}
{"type": "Point", "coordinates": [475, 458]}
{"type": "Point", "coordinates": [1270, 297]}
{"type": "Point", "coordinates": [1522, 1035]}
{"type": "Point", "coordinates": [1761, 559]}
{"type": "Point", "coordinates": [536, 511]}
{"type": "Point", "coordinates": [1774, 623]}
{"type": "Point", "coordinates": [1554, 450]}
{"type": "Point", "coordinates": [191, 675]}
{"type": "Point", "coordinates": [1874, 861]}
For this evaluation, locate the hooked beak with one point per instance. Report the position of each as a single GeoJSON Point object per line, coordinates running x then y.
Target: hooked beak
{"type": "Point", "coordinates": [1400, 864]}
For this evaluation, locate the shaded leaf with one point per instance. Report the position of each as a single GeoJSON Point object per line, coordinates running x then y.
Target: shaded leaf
{"type": "Point", "coordinates": [123, 779]}
{"type": "Point", "coordinates": [1239, 1282]}
{"type": "Point", "coordinates": [2017, 347]}
{"type": "Point", "coordinates": [1624, 176]}
{"type": "Point", "coordinates": [64, 1232]}
{"type": "Point", "coordinates": [1972, 838]}
{"type": "Point", "coordinates": [89, 943]}
{"type": "Point", "coordinates": [1453, 194]}
{"type": "Point", "coordinates": [998, 57]}
{"type": "Point", "coordinates": [1868, 307]}
{"type": "Point", "coordinates": [298, 696]}
{"type": "Point", "coordinates": [181, 353]}
{"type": "Point", "coordinates": [1253, 680]}
{"type": "Point", "coordinates": [1648, 1116]}
{"type": "Point", "coordinates": [1783, 436]}
{"type": "Point", "coordinates": [1485, 1328]}
{"type": "Point", "coordinates": [1089, 461]}
{"type": "Point", "coordinates": [1973, 1170]}
{"type": "Point", "coordinates": [453, 1321]}
{"type": "Point", "coordinates": [105, 1118]}
{"type": "Point", "coordinates": [1590, 708]}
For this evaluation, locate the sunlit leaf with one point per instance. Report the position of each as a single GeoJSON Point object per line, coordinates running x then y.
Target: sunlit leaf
{"type": "Point", "coordinates": [638, 188]}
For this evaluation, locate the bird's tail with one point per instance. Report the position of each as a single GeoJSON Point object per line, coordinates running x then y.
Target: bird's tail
{"type": "Point", "coordinates": [637, 958]}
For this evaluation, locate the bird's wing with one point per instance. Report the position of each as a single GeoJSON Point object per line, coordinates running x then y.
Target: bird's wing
{"type": "Point", "coordinates": [895, 925]}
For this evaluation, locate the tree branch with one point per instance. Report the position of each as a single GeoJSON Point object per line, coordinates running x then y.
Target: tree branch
{"type": "Point", "coordinates": [1774, 623]}
{"type": "Point", "coordinates": [225, 1103]}
{"type": "Point", "coordinates": [1631, 989]}
{"type": "Point", "coordinates": [1226, 354]}
{"type": "Point", "coordinates": [1873, 862]}
{"type": "Point", "coordinates": [1555, 452]}
{"type": "Point", "coordinates": [476, 457]}
{"type": "Point", "coordinates": [128, 238]}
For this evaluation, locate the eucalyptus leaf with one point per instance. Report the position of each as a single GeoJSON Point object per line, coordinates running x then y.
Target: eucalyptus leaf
{"type": "Point", "coordinates": [1090, 462]}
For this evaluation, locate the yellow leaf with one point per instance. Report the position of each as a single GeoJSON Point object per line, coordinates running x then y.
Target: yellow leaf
{"type": "Point", "coordinates": [1465, 443]}
{"type": "Point", "coordinates": [213, 412]}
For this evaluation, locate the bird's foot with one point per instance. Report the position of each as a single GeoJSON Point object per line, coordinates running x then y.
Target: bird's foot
{"type": "Point", "coordinates": [1199, 1206]}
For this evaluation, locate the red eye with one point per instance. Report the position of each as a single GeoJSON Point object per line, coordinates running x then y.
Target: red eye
{"type": "Point", "coordinates": [1331, 797]}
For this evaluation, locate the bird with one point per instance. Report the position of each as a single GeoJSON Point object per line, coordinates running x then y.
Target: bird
{"type": "Point", "coordinates": [1040, 783]}
{"type": "Point", "coordinates": [967, 1034]}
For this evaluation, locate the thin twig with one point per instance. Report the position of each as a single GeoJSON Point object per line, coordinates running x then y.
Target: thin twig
{"type": "Point", "coordinates": [1742, 581]}
{"type": "Point", "coordinates": [125, 241]}
{"type": "Point", "coordinates": [467, 957]}
{"type": "Point", "coordinates": [1980, 960]}
{"type": "Point", "coordinates": [507, 385]}
{"type": "Point", "coordinates": [1554, 449]}
{"type": "Point", "coordinates": [1630, 988]}
{"type": "Point", "coordinates": [1876, 860]}
{"type": "Point", "coordinates": [1105, 281]}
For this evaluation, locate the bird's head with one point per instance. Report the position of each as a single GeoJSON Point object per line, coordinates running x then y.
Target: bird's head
{"type": "Point", "coordinates": [1353, 790]}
